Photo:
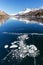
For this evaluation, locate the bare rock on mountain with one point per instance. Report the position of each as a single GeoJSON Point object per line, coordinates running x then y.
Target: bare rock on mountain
{"type": "Point", "coordinates": [3, 14]}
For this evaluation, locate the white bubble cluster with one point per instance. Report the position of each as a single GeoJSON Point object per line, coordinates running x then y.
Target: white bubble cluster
{"type": "Point", "coordinates": [6, 46]}
{"type": "Point", "coordinates": [21, 50]}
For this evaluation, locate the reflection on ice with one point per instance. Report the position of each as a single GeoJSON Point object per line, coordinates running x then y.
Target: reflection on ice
{"type": "Point", "coordinates": [2, 20]}
{"type": "Point", "coordinates": [28, 20]}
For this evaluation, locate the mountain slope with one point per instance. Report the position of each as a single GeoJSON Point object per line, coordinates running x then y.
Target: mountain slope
{"type": "Point", "coordinates": [3, 14]}
{"type": "Point", "coordinates": [31, 12]}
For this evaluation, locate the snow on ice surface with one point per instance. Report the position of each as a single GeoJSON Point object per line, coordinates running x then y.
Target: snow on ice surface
{"type": "Point", "coordinates": [23, 50]}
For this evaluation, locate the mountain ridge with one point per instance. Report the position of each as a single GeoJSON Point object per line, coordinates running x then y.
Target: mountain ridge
{"type": "Point", "coordinates": [31, 12]}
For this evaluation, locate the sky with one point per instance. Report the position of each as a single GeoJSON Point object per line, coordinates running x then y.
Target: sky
{"type": "Point", "coordinates": [14, 6]}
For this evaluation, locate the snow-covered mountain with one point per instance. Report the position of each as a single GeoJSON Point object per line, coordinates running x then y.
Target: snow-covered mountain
{"type": "Point", "coordinates": [24, 11]}
{"type": "Point", "coordinates": [27, 10]}
{"type": "Point", "coordinates": [3, 13]}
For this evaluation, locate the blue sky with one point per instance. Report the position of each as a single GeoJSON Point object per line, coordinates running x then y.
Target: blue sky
{"type": "Point", "coordinates": [13, 6]}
